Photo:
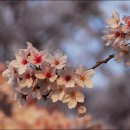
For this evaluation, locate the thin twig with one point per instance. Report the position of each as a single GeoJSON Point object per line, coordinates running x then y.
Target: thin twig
{"type": "Point", "coordinates": [98, 63]}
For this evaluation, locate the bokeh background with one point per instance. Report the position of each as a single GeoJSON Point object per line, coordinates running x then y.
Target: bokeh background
{"type": "Point", "coordinates": [76, 28]}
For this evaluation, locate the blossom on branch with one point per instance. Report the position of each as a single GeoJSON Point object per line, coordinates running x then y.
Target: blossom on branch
{"type": "Point", "coordinates": [41, 75]}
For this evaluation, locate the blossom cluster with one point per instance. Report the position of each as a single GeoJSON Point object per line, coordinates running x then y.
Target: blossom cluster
{"type": "Point", "coordinates": [42, 75]}
{"type": "Point", "coordinates": [117, 36]}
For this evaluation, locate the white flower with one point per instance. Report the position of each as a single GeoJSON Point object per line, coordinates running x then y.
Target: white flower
{"type": "Point", "coordinates": [58, 94]}
{"type": "Point", "coordinates": [73, 98]}
{"type": "Point", "coordinates": [83, 77]}
{"type": "Point", "coordinates": [58, 60]}
{"type": "Point", "coordinates": [48, 73]}
{"type": "Point", "coordinates": [37, 58]}
{"type": "Point", "coordinates": [114, 21]}
{"type": "Point", "coordinates": [27, 80]}
{"type": "Point", "coordinates": [66, 78]}
{"type": "Point", "coordinates": [21, 62]}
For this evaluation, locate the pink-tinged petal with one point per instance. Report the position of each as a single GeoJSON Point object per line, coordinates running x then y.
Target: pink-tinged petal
{"type": "Point", "coordinates": [82, 110]}
{"type": "Point", "coordinates": [6, 73]}
{"type": "Point", "coordinates": [53, 78]}
{"type": "Point", "coordinates": [61, 95]}
{"type": "Point", "coordinates": [72, 103]}
{"type": "Point", "coordinates": [55, 96]}
{"type": "Point", "coordinates": [40, 76]}
{"type": "Point", "coordinates": [90, 73]}
{"type": "Point", "coordinates": [22, 83]}
{"type": "Point", "coordinates": [29, 82]}
{"type": "Point", "coordinates": [80, 83]}
{"type": "Point", "coordinates": [70, 84]}
{"type": "Point", "coordinates": [61, 81]}
{"type": "Point", "coordinates": [80, 70]}
{"type": "Point", "coordinates": [89, 83]}
{"type": "Point", "coordinates": [15, 64]}
{"type": "Point", "coordinates": [66, 98]}
{"type": "Point", "coordinates": [79, 97]}
{"type": "Point", "coordinates": [22, 69]}
{"type": "Point", "coordinates": [58, 53]}
{"type": "Point", "coordinates": [63, 59]}
{"type": "Point", "coordinates": [60, 66]}
{"type": "Point", "coordinates": [18, 57]}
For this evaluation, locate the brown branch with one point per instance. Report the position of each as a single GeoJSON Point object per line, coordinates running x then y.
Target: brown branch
{"type": "Point", "coordinates": [98, 63]}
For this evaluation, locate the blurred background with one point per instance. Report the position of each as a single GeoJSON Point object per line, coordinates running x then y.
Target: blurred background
{"type": "Point", "coordinates": [76, 28]}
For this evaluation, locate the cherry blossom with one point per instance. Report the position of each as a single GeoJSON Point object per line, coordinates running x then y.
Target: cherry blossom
{"type": "Point", "coordinates": [48, 73]}
{"type": "Point", "coordinates": [114, 21]}
{"type": "Point", "coordinates": [66, 77]}
{"type": "Point", "coordinates": [38, 57]}
{"type": "Point", "coordinates": [58, 94]}
{"type": "Point", "coordinates": [42, 76]}
{"type": "Point", "coordinates": [73, 98]}
{"type": "Point", "coordinates": [83, 77]}
{"type": "Point", "coordinates": [58, 60]}
{"type": "Point", "coordinates": [81, 111]}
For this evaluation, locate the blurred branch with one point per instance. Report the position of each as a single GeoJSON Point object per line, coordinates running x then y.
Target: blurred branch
{"type": "Point", "coordinates": [98, 63]}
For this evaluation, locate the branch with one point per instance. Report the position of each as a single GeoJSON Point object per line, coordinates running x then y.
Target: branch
{"type": "Point", "coordinates": [98, 63]}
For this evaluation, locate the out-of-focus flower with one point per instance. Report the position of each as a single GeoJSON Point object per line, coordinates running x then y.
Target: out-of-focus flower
{"type": "Point", "coordinates": [123, 54]}
{"type": "Point", "coordinates": [82, 110]}
{"type": "Point", "coordinates": [58, 60]}
{"type": "Point", "coordinates": [10, 74]}
{"type": "Point", "coordinates": [66, 77]}
{"type": "Point", "coordinates": [114, 21]}
{"type": "Point", "coordinates": [83, 77]}
{"type": "Point", "coordinates": [114, 36]}
{"type": "Point", "coordinates": [73, 98]}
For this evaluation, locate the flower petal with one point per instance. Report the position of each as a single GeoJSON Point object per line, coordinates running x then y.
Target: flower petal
{"type": "Point", "coordinates": [79, 97]}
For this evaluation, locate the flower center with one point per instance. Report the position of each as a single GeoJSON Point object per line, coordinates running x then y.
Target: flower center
{"type": "Point", "coordinates": [24, 61]}
{"type": "Point", "coordinates": [27, 76]}
{"type": "Point", "coordinates": [57, 62]}
{"type": "Point", "coordinates": [38, 59]}
{"type": "Point", "coordinates": [68, 78]}
{"type": "Point", "coordinates": [82, 78]}
{"type": "Point", "coordinates": [128, 23]}
{"type": "Point", "coordinates": [48, 74]}
{"type": "Point", "coordinates": [117, 34]}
